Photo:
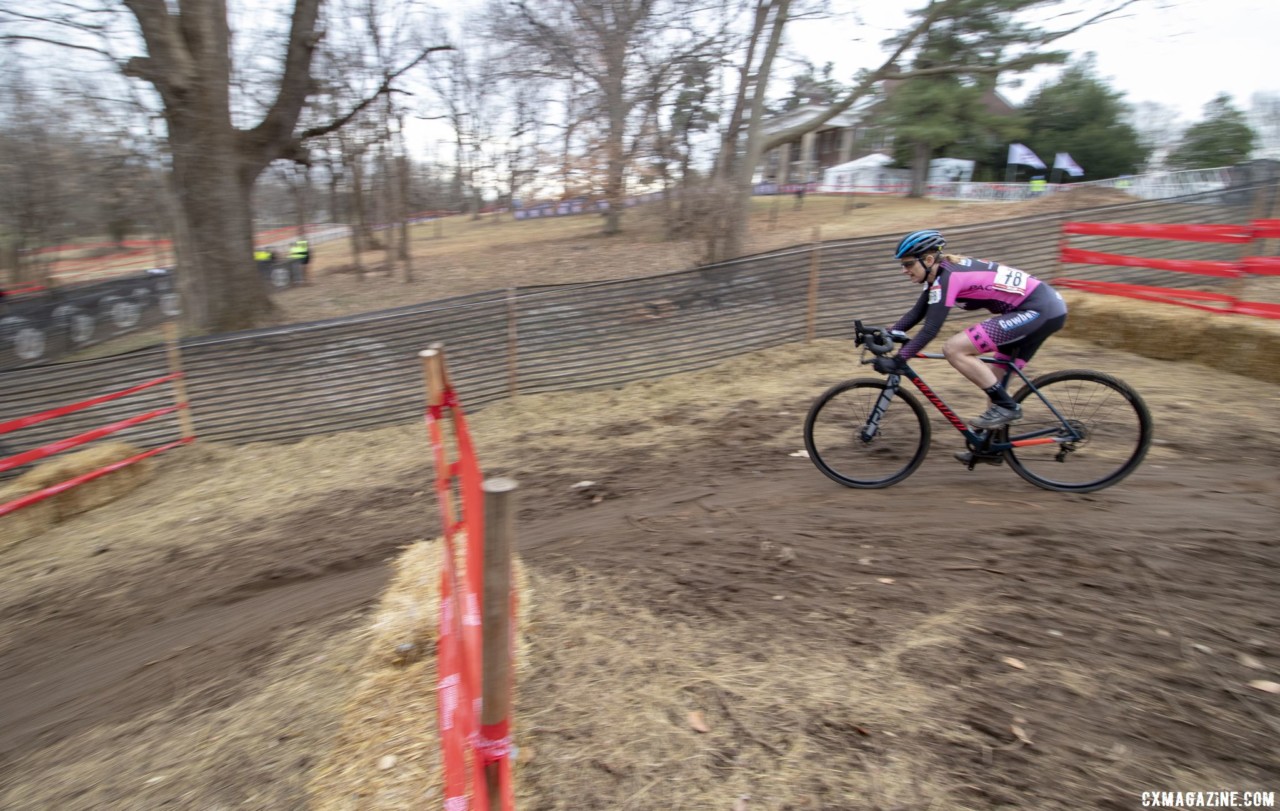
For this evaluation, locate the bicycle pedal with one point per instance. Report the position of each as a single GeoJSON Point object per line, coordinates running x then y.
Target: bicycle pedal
{"type": "Point", "coordinates": [970, 458]}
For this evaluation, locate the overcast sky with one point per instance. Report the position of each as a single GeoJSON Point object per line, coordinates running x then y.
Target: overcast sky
{"type": "Point", "coordinates": [1180, 53]}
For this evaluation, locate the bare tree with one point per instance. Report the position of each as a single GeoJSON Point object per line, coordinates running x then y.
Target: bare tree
{"type": "Point", "coordinates": [608, 44]}
{"type": "Point", "coordinates": [188, 60]}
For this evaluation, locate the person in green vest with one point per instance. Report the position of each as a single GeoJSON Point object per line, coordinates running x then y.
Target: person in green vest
{"type": "Point", "coordinates": [1038, 185]}
{"type": "Point", "coordinates": [299, 258]}
{"type": "Point", "coordinates": [265, 260]}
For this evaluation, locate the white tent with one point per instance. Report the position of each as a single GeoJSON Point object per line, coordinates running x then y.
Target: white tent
{"type": "Point", "coordinates": [950, 170]}
{"type": "Point", "coordinates": [869, 170]}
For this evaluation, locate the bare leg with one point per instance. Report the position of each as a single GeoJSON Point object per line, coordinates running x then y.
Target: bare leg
{"type": "Point", "coordinates": [963, 355]}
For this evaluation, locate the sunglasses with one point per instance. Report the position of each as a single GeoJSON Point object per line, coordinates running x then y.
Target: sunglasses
{"type": "Point", "coordinates": [907, 263]}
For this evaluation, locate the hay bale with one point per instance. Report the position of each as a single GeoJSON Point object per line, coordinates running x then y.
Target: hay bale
{"type": "Point", "coordinates": [1237, 343]}
{"type": "Point", "coordinates": [386, 755]}
{"type": "Point", "coordinates": [34, 519]}
{"type": "Point", "coordinates": [27, 522]}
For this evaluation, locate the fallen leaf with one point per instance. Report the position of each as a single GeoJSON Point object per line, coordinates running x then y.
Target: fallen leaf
{"type": "Point", "coordinates": [864, 561]}
{"type": "Point", "coordinates": [885, 580]}
{"type": "Point", "coordinates": [1249, 661]}
{"type": "Point", "coordinates": [1015, 663]}
{"type": "Point", "coordinates": [1205, 649]}
{"type": "Point", "coordinates": [697, 722]}
{"type": "Point", "coordinates": [1020, 734]}
{"type": "Point", "coordinates": [597, 499]}
{"type": "Point", "coordinates": [1265, 686]}
{"type": "Point", "coordinates": [801, 454]}
{"type": "Point", "coordinates": [581, 485]}
{"type": "Point", "coordinates": [387, 762]}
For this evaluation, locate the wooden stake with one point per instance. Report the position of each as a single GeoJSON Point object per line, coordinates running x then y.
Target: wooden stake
{"type": "Point", "coordinates": [815, 262]}
{"type": "Point", "coordinates": [174, 353]}
{"type": "Point", "coordinates": [434, 374]}
{"type": "Point", "coordinates": [499, 538]}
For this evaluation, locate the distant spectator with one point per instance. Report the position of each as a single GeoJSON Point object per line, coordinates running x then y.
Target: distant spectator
{"type": "Point", "coordinates": [800, 195]}
{"type": "Point", "coordinates": [299, 258]}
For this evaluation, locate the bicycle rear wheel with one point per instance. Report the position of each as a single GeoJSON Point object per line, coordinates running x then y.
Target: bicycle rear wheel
{"type": "Point", "coordinates": [838, 421]}
{"type": "Point", "coordinates": [1113, 418]}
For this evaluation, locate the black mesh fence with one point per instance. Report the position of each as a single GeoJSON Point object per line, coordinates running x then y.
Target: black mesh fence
{"type": "Point", "coordinates": [362, 371]}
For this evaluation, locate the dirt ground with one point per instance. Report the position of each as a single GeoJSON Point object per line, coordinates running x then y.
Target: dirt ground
{"type": "Point", "coordinates": [960, 641]}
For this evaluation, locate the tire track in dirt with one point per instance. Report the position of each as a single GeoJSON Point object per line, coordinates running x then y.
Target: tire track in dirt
{"type": "Point", "coordinates": [116, 679]}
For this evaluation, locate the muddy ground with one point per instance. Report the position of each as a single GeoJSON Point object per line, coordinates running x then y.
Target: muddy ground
{"type": "Point", "coordinates": [963, 640]}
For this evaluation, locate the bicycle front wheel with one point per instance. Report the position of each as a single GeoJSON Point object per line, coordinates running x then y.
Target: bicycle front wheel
{"type": "Point", "coordinates": [848, 448]}
{"type": "Point", "coordinates": [1111, 417]}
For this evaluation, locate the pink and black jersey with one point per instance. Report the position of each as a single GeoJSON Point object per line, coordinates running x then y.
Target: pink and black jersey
{"type": "Point", "coordinates": [975, 284]}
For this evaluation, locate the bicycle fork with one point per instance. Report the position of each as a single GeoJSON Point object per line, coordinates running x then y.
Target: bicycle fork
{"type": "Point", "coordinates": [872, 426]}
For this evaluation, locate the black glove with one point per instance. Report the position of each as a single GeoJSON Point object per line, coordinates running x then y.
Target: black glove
{"type": "Point", "coordinates": [889, 365]}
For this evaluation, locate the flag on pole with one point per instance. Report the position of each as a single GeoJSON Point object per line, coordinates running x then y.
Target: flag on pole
{"type": "Point", "coordinates": [1064, 162]}
{"type": "Point", "coordinates": [1020, 154]}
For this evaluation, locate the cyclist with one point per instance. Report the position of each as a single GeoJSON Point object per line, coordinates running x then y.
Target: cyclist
{"type": "Point", "coordinates": [1027, 312]}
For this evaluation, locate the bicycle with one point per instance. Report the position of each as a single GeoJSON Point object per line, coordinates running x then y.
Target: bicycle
{"type": "Point", "coordinates": [1081, 430]}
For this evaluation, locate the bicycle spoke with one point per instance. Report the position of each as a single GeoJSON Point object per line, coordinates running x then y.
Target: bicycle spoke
{"type": "Point", "coordinates": [840, 418]}
{"type": "Point", "coordinates": [1113, 420]}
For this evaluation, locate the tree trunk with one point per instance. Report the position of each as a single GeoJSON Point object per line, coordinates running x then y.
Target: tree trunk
{"type": "Point", "coordinates": [389, 207]}
{"type": "Point", "coordinates": [222, 290]}
{"type": "Point", "coordinates": [920, 156]}
{"type": "Point", "coordinates": [406, 251]}
{"type": "Point", "coordinates": [301, 196]}
{"type": "Point", "coordinates": [740, 171]}
{"type": "Point", "coordinates": [614, 86]}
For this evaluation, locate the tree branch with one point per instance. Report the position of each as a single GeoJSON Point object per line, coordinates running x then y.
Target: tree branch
{"type": "Point", "coordinates": [165, 46]}
{"type": "Point", "coordinates": [385, 87]}
{"type": "Point", "coordinates": [59, 43]}
{"type": "Point", "coordinates": [888, 71]}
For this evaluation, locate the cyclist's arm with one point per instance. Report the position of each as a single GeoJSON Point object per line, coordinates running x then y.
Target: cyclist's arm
{"type": "Point", "coordinates": [913, 315]}
{"type": "Point", "coordinates": [935, 316]}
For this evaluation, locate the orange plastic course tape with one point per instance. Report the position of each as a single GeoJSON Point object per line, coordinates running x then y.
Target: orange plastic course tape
{"type": "Point", "coordinates": [88, 436]}
{"type": "Point", "coordinates": [1183, 298]}
{"type": "Point", "coordinates": [1165, 292]}
{"type": "Point", "coordinates": [1229, 270]}
{"type": "Point", "coordinates": [62, 411]}
{"type": "Point", "coordinates": [1261, 265]}
{"type": "Point", "coordinates": [454, 705]}
{"type": "Point", "coordinates": [22, 289]}
{"type": "Point", "coordinates": [41, 495]}
{"type": "Point", "coordinates": [1256, 308]}
{"type": "Point", "coordinates": [1183, 233]}
{"type": "Point", "coordinates": [461, 639]}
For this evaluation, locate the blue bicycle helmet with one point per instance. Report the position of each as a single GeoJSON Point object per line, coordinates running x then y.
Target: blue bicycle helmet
{"type": "Point", "coordinates": [918, 243]}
